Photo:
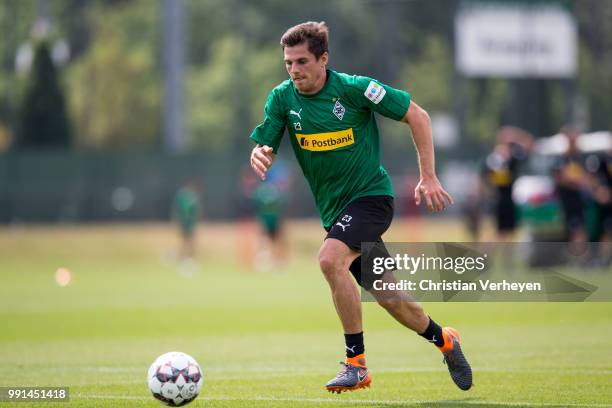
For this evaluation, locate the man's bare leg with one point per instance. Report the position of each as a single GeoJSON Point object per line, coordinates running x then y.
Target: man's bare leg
{"type": "Point", "coordinates": [399, 305]}
{"type": "Point", "coordinates": [335, 258]}
{"type": "Point", "coordinates": [410, 314]}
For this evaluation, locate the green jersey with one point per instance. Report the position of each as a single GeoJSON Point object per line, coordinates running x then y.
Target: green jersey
{"type": "Point", "coordinates": [334, 136]}
{"type": "Point", "coordinates": [186, 208]}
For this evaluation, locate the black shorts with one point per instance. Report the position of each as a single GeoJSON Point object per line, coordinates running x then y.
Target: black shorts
{"type": "Point", "coordinates": [505, 216]}
{"type": "Point", "coordinates": [573, 208]}
{"type": "Point", "coordinates": [364, 220]}
{"type": "Point", "coordinates": [606, 218]}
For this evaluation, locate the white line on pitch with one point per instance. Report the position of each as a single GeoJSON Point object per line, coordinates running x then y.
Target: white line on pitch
{"type": "Point", "coordinates": [363, 401]}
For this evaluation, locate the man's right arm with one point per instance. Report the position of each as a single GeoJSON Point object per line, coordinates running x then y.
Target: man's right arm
{"type": "Point", "coordinates": [267, 136]}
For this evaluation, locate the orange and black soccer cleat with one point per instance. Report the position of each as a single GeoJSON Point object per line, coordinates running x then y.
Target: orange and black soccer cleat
{"type": "Point", "coordinates": [353, 376]}
{"type": "Point", "coordinates": [458, 367]}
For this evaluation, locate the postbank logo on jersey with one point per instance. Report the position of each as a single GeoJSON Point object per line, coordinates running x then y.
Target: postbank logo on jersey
{"type": "Point", "coordinates": [320, 142]}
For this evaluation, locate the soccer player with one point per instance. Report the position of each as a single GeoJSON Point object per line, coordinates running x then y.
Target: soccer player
{"type": "Point", "coordinates": [500, 172]}
{"type": "Point", "coordinates": [270, 198]}
{"type": "Point", "coordinates": [572, 184]}
{"type": "Point", "coordinates": [330, 121]}
{"type": "Point", "coordinates": [186, 211]}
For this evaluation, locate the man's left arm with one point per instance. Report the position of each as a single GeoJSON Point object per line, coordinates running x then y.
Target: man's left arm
{"type": "Point", "coordinates": [429, 186]}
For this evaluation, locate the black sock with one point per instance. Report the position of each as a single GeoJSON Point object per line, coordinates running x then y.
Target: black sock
{"type": "Point", "coordinates": [354, 344]}
{"type": "Point", "coordinates": [433, 333]}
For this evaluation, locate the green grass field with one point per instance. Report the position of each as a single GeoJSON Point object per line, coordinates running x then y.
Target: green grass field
{"type": "Point", "coordinates": [266, 339]}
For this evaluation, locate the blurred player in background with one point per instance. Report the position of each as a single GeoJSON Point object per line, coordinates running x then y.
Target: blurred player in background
{"type": "Point", "coordinates": [270, 199]}
{"type": "Point", "coordinates": [329, 117]}
{"type": "Point", "coordinates": [501, 167]}
{"type": "Point", "coordinates": [186, 212]}
{"type": "Point", "coordinates": [247, 224]}
{"type": "Point", "coordinates": [599, 167]}
{"type": "Point", "coordinates": [602, 195]}
{"type": "Point", "coordinates": [471, 209]}
{"type": "Point", "coordinates": [572, 184]}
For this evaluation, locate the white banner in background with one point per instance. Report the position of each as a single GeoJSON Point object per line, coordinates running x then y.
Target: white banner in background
{"type": "Point", "coordinates": [528, 41]}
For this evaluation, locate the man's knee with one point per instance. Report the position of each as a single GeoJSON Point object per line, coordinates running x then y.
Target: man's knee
{"type": "Point", "coordinates": [334, 259]}
{"type": "Point", "coordinates": [329, 263]}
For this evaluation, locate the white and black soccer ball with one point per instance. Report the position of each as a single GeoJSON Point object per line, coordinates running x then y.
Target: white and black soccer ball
{"type": "Point", "coordinates": [175, 378]}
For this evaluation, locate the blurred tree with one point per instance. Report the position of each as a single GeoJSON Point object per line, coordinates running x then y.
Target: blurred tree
{"type": "Point", "coordinates": [484, 106]}
{"type": "Point", "coordinates": [595, 77]}
{"type": "Point", "coordinates": [266, 70]}
{"type": "Point", "coordinates": [72, 21]}
{"type": "Point", "coordinates": [428, 76]}
{"type": "Point", "coordinates": [214, 96]}
{"type": "Point", "coordinates": [115, 85]}
{"type": "Point", "coordinates": [225, 94]}
{"type": "Point", "coordinates": [15, 24]}
{"type": "Point", "coordinates": [43, 119]}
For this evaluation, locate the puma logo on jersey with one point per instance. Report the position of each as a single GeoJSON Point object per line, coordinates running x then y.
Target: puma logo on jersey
{"type": "Point", "coordinates": [344, 227]}
{"type": "Point", "coordinates": [292, 112]}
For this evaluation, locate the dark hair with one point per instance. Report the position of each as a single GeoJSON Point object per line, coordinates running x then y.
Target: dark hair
{"type": "Point", "coordinates": [312, 32]}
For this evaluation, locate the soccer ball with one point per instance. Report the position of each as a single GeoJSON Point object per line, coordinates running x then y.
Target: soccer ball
{"type": "Point", "coordinates": [175, 378]}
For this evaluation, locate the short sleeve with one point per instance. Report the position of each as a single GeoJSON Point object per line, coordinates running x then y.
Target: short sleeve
{"type": "Point", "coordinates": [270, 131]}
{"type": "Point", "coordinates": [381, 98]}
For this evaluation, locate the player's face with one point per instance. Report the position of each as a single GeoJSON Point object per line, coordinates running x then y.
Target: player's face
{"type": "Point", "coordinates": [307, 73]}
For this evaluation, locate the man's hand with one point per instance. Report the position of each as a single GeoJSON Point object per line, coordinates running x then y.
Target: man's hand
{"type": "Point", "coordinates": [435, 195]}
{"type": "Point", "coordinates": [261, 160]}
